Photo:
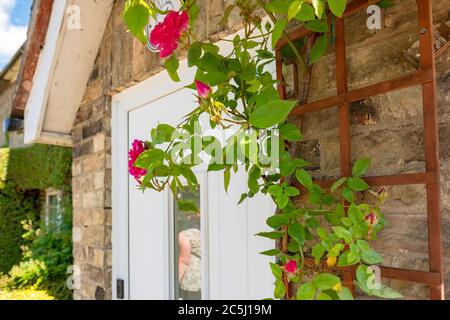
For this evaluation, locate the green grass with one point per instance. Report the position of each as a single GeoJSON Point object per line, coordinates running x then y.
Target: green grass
{"type": "Point", "coordinates": [24, 294]}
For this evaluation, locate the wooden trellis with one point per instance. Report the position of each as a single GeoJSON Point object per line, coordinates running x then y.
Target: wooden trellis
{"type": "Point", "coordinates": [425, 77]}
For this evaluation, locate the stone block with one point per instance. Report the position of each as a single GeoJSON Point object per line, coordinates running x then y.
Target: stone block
{"type": "Point", "coordinates": [94, 236]}
{"type": "Point", "coordinates": [94, 162]}
{"type": "Point", "coordinates": [99, 142]}
{"type": "Point", "coordinates": [99, 179]}
{"type": "Point", "coordinates": [93, 199]}
{"type": "Point", "coordinates": [92, 128]}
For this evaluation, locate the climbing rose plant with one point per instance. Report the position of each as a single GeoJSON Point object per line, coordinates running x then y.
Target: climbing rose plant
{"type": "Point", "coordinates": [316, 229]}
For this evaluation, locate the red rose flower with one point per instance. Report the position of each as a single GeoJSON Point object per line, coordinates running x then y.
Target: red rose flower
{"type": "Point", "coordinates": [166, 34]}
{"type": "Point", "coordinates": [203, 90]}
{"type": "Point", "coordinates": [291, 266]}
{"type": "Point", "coordinates": [138, 147]}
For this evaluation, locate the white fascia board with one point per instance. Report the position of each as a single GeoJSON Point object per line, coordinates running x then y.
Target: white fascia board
{"type": "Point", "coordinates": [63, 70]}
{"type": "Point", "coordinates": [37, 101]}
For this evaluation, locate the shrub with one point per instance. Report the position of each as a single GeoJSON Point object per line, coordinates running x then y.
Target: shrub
{"type": "Point", "coordinates": [16, 205]}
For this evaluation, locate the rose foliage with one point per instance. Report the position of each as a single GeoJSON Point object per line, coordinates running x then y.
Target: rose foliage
{"type": "Point", "coordinates": [315, 227]}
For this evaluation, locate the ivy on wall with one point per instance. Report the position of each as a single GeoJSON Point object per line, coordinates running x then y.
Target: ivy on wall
{"type": "Point", "coordinates": [23, 173]}
{"type": "Point", "coordinates": [37, 167]}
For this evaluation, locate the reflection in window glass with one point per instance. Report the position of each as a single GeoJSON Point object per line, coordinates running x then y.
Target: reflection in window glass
{"type": "Point", "coordinates": [187, 241]}
{"type": "Point", "coordinates": [54, 212]}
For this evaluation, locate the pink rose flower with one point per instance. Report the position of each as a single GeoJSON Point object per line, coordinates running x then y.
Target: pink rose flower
{"type": "Point", "coordinates": [166, 34]}
{"type": "Point", "coordinates": [291, 266]}
{"type": "Point", "coordinates": [371, 219]}
{"type": "Point", "coordinates": [138, 147]}
{"type": "Point", "coordinates": [381, 191]}
{"type": "Point", "coordinates": [203, 90]}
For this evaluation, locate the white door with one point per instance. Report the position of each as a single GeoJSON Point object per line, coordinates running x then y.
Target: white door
{"type": "Point", "coordinates": [150, 233]}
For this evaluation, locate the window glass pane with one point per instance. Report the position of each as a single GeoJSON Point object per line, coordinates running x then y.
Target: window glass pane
{"type": "Point", "coordinates": [54, 217]}
{"type": "Point", "coordinates": [188, 265]}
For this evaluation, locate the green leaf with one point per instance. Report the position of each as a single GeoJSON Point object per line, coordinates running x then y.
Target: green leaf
{"type": "Point", "coordinates": [386, 293]}
{"type": "Point", "coordinates": [254, 175]}
{"type": "Point", "coordinates": [189, 175]}
{"type": "Point", "coordinates": [248, 73]}
{"type": "Point", "coordinates": [337, 7]}
{"type": "Point", "coordinates": [355, 213]}
{"type": "Point", "coordinates": [278, 32]}
{"type": "Point", "coordinates": [323, 296]}
{"type": "Point", "coordinates": [304, 178]}
{"type": "Point", "coordinates": [306, 13]}
{"type": "Point", "coordinates": [275, 190]}
{"type": "Point", "coordinates": [365, 281]}
{"type": "Point", "coordinates": [271, 253]}
{"type": "Point", "coordinates": [317, 26]}
{"type": "Point", "coordinates": [292, 191]}
{"type": "Point", "coordinates": [278, 6]}
{"type": "Point", "coordinates": [244, 196]}
{"type": "Point", "coordinates": [312, 223]}
{"type": "Point", "coordinates": [227, 178]}
{"type": "Point", "coordinates": [276, 270]}
{"type": "Point", "coordinates": [294, 9]}
{"type": "Point", "coordinates": [322, 233]}
{"type": "Point", "coordinates": [335, 217]}
{"type": "Point", "coordinates": [211, 62]}
{"type": "Point", "coordinates": [319, 49]}
{"type": "Point", "coordinates": [271, 113]}
{"type": "Point", "coordinates": [348, 195]}
{"type": "Point", "coordinates": [343, 233]}
{"type": "Point", "coordinates": [361, 273]}
{"type": "Point", "coordinates": [162, 133]}
{"type": "Point", "coordinates": [317, 252]}
{"type": "Point", "coordinates": [215, 78]}
{"type": "Point", "coordinates": [194, 54]}
{"type": "Point", "coordinates": [265, 54]}
{"type": "Point", "coordinates": [338, 184]}
{"type": "Point", "coordinates": [326, 281]}
{"type": "Point", "coordinates": [172, 66]}
{"type": "Point", "coordinates": [290, 132]}
{"type": "Point", "coordinates": [357, 184]}
{"type": "Point", "coordinates": [347, 221]}
{"type": "Point", "coordinates": [371, 257]}
{"type": "Point", "coordinates": [347, 259]}
{"type": "Point", "coordinates": [318, 7]}
{"type": "Point", "coordinates": [277, 221]}
{"type": "Point", "coordinates": [282, 201]}
{"type": "Point", "coordinates": [363, 245]}
{"type": "Point", "coordinates": [136, 16]}
{"type": "Point", "coordinates": [188, 206]}
{"type": "Point", "coordinates": [306, 291]}
{"type": "Point", "coordinates": [267, 95]}
{"type": "Point", "coordinates": [280, 290]}
{"type": "Point", "coordinates": [275, 235]}
{"type": "Point", "coordinates": [148, 157]}
{"type": "Point", "coordinates": [345, 294]}
{"type": "Point", "coordinates": [297, 232]}
{"type": "Point", "coordinates": [361, 166]}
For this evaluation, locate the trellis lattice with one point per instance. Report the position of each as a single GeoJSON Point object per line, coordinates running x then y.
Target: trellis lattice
{"type": "Point", "coordinates": [425, 77]}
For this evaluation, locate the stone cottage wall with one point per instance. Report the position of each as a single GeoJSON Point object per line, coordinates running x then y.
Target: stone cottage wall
{"type": "Point", "coordinates": [387, 128]}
